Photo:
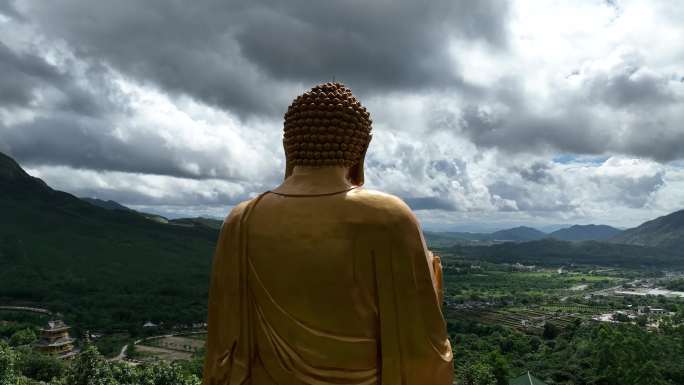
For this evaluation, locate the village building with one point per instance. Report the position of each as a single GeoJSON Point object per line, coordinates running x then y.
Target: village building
{"type": "Point", "coordinates": [651, 310]}
{"type": "Point", "coordinates": [55, 340]}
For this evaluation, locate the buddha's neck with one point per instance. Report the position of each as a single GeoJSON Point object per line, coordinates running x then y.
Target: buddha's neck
{"type": "Point", "coordinates": [315, 180]}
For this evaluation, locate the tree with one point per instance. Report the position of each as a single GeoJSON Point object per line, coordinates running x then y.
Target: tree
{"type": "Point", "coordinates": [642, 320]}
{"type": "Point", "coordinates": [23, 337]}
{"type": "Point", "coordinates": [478, 373]}
{"type": "Point", "coordinates": [8, 370]}
{"type": "Point", "coordinates": [38, 366]}
{"type": "Point", "coordinates": [164, 373]}
{"type": "Point", "coordinates": [500, 367]}
{"type": "Point", "coordinates": [551, 331]}
{"type": "Point", "coordinates": [90, 368]}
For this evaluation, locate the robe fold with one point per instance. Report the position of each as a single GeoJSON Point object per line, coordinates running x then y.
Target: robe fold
{"type": "Point", "coordinates": [336, 289]}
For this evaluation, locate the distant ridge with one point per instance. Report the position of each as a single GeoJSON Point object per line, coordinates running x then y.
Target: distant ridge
{"type": "Point", "coordinates": [516, 234]}
{"type": "Point", "coordinates": [520, 233]}
{"type": "Point", "coordinates": [550, 251]}
{"type": "Point", "coordinates": [210, 223]}
{"type": "Point", "coordinates": [198, 221]}
{"type": "Point", "coordinates": [666, 232]}
{"type": "Point", "coordinates": [109, 205]}
{"type": "Point", "coordinates": [585, 233]}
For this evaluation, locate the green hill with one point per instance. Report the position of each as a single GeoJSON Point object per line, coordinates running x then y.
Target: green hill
{"type": "Point", "coordinates": [555, 252]}
{"type": "Point", "coordinates": [515, 234]}
{"type": "Point", "coordinates": [109, 205]}
{"type": "Point", "coordinates": [190, 222]}
{"type": "Point", "coordinates": [520, 233]}
{"type": "Point", "coordinates": [102, 268]}
{"type": "Point", "coordinates": [666, 231]}
{"type": "Point", "coordinates": [198, 221]}
{"type": "Point", "coordinates": [585, 233]}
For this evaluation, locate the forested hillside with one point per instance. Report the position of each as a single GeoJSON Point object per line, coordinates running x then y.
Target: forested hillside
{"type": "Point", "coordinates": [555, 252]}
{"type": "Point", "coordinates": [666, 231]}
{"type": "Point", "coordinates": [109, 269]}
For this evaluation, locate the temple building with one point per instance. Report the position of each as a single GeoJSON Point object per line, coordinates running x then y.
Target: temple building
{"type": "Point", "coordinates": [55, 340]}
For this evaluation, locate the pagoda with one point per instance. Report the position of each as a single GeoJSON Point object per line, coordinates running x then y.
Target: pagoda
{"type": "Point", "coordinates": [55, 340]}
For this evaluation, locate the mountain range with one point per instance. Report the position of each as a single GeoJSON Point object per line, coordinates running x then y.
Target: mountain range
{"type": "Point", "coordinates": [516, 234]}
{"type": "Point", "coordinates": [585, 233]}
{"type": "Point", "coordinates": [526, 234]}
{"type": "Point", "coordinates": [188, 222]}
{"type": "Point", "coordinates": [113, 267]}
{"type": "Point", "coordinates": [109, 205]}
{"type": "Point", "coordinates": [666, 231]}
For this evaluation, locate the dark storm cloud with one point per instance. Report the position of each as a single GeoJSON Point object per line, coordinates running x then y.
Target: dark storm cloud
{"type": "Point", "coordinates": [233, 54]}
{"type": "Point", "coordinates": [634, 192]}
{"type": "Point", "coordinates": [8, 9]}
{"type": "Point", "coordinates": [377, 45]}
{"type": "Point", "coordinates": [25, 75]}
{"type": "Point", "coordinates": [537, 173]}
{"type": "Point", "coordinates": [520, 130]}
{"type": "Point", "coordinates": [657, 138]}
{"type": "Point", "coordinates": [92, 144]}
{"type": "Point", "coordinates": [630, 86]}
{"type": "Point", "coordinates": [22, 75]}
{"type": "Point", "coordinates": [643, 117]}
{"type": "Point", "coordinates": [72, 124]}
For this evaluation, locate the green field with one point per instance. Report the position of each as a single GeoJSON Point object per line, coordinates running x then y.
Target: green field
{"type": "Point", "coordinates": [480, 281]}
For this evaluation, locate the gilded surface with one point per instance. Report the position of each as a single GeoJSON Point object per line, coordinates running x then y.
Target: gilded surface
{"type": "Point", "coordinates": [348, 295]}
{"type": "Point", "coordinates": [320, 281]}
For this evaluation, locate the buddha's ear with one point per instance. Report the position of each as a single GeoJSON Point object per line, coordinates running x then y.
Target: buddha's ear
{"type": "Point", "coordinates": [288, 165]}
{"type": "Point", "coordinates": [356, 176]}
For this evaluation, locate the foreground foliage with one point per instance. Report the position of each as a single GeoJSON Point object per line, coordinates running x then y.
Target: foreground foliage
{"type": "Point", "coordinates": [19, 367]}
{"type": "Point", "coordinates": [585, 354]}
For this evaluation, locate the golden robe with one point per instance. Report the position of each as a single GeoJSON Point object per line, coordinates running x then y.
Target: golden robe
{"type": "Point", "coordinates": [331, 289]}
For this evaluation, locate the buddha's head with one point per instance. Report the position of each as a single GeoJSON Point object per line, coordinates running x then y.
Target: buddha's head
{"type": "Point", "coordinates": [327, 127]}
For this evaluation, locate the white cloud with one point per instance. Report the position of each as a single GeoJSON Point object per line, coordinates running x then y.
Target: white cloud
{"type": "Point", "coordinates": [471, 143]}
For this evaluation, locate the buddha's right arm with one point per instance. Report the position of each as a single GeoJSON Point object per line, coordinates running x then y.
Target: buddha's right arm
{"type": "Point", "coordinates": [439, 282]}
{"type": "Point", "coordinates": [414, 340]}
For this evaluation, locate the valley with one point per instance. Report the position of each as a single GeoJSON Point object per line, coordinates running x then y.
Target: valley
{"type": "Point", "coordinates": [135, 286]}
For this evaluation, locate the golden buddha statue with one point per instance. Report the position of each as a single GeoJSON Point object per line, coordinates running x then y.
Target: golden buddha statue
{"type": "Point", "coordinates": [320, 281]}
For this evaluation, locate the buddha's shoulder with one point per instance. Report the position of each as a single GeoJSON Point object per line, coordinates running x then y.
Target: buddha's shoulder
{"type": "Point", "coordinates": [376, 205]}
{"type": "Point", "coordinates": [381, 205]}
{"type": "Point", "coordinates": [236, 212]}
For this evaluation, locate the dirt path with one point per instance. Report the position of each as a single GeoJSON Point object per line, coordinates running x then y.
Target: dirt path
{"type": "Point", "coordinates": [122, 354]}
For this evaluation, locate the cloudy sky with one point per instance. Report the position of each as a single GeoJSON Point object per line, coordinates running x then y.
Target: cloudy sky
{"type": "Point", "coordinates": [487, 114]}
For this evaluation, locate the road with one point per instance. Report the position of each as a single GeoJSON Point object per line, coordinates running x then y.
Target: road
{"type": "Point", "coordinates": [122, 354]}
{"type": "Point", "coordinates": [26, 308]}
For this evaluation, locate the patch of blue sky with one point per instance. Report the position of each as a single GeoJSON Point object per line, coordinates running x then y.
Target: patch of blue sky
{"type": "Point", "coordinates": [583, 159]}
{"type": "Point", "coordinates": [677, 164]}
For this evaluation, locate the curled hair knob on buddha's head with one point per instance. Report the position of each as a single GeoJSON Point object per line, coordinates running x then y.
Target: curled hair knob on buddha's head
{"type": "Point", "coordinates": [326, 126]}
